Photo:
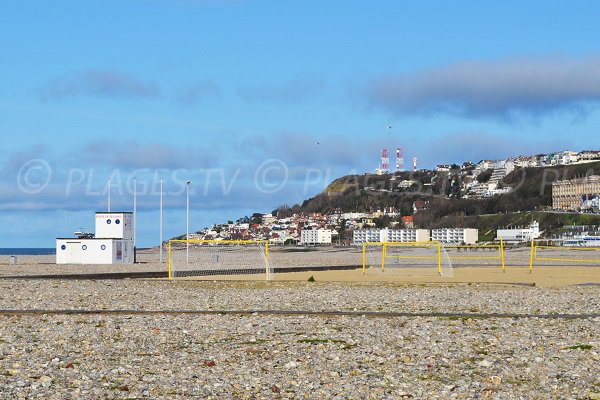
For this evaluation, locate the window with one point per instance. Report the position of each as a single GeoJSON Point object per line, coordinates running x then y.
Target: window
{"type": "Point", "coordinates": [117, 221]}
{"type": "Point", "coordinates": [84, 247]}
{"type": "Point", "coordinates": [103, 247]}
{"type": "Point", "coordinates": [108, 221]}
{"type": "Point", "coordinates": [63, 247]}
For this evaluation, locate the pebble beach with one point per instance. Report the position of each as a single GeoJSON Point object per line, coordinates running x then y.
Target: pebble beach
{"type": "Point", "coordinates": [224, 340]}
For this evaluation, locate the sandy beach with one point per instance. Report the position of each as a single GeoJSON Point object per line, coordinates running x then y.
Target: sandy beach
{"type": "Point", "coordinates": [298, 264]}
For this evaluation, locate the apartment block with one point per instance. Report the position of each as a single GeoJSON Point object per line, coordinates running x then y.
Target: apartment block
{"type": "Point", "coordinates": [455, 235]}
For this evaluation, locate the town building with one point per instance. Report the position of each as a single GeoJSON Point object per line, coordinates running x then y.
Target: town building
{"type": "Point", "coordinates": [315, 236]}
{"type": "Point", "coordinates": [455, 235]}
{"type": "Point", "coordinates": [361, 236]}
{"type": "Point", "coordinates": [519, 235]}
{"type": "Point", "coordinates": [571, 194]}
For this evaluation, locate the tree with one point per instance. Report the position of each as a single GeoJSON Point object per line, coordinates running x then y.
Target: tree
{"type": "Point", "coordinates": [484, 176]}
{"type": "Point", "coordinates": [256, 218]}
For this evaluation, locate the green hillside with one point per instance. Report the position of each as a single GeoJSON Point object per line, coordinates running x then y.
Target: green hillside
{"type": "Point", "coordinates": [445, 206]}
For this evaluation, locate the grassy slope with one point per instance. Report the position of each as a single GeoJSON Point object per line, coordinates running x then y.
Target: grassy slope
{"type": "Point", "coordinates": [532, 192]}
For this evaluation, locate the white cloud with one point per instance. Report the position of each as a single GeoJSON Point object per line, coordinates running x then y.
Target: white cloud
{"type": "Point", "coordinates": [505, 89]}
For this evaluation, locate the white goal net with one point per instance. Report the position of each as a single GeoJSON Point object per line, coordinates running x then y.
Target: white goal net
{"type": "Point", "coordinates": [225, 258]}
{"type": "Point", "coordinates": [414, 258]}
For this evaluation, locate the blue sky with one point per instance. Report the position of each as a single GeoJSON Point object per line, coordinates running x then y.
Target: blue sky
{"type": "Point", "coordinates": [262, 103]}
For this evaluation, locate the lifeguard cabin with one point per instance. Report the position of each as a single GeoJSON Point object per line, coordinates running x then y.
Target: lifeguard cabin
{"type": "Point", "coordinates": [111, 244]}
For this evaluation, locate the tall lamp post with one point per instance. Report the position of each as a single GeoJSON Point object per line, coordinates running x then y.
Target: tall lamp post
{"type": "Point", "coordinates": [187, 221]}
{"type": "Point", "coordinates": [134, 218]}
{"type": "Point", "coordinates": [161, 221]}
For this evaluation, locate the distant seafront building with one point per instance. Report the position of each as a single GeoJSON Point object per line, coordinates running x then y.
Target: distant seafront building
{"type": "Point", "coordinates": [572, 194]}
{"type": "Point", "coordinates": [315, 236]}
{"type": "Point", "coordinates": [519, 235]}
{"type": "Point", "coordinates": [361, 236]}
{"type": "Point", "coordinates": [455, 235]}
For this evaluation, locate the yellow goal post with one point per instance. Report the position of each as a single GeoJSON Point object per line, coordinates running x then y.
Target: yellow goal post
{"type": "Point", "coordinates": [563, 253]}
{"type": "Point", "coordinates": [428, 252]}
{"type": "Point", "coordinates": [201, 258]}
{"type": "Point", "coordinates": [432, 254]}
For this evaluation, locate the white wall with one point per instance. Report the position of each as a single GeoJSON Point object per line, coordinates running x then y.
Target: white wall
{"type": "Point", "coordinates": [114, 225]}
{"type": "Point", "coordinates": [94, 251]}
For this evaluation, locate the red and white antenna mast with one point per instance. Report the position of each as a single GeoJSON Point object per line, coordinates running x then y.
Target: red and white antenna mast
{"type": "Point", "coordinates": [399, 160]}
{"type": "Point", "coordinates": [385, 161]}
{"type": "Point", "coordinates": [415, 164]}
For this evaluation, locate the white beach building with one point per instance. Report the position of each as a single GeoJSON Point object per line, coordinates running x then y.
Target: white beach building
{"type": "Point", "coordinates": [112, 243]}
{"type": "Point", "coordinates": [519, 235]}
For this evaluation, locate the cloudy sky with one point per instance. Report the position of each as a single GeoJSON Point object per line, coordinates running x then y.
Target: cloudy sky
{"type": "Point", "coordinates": [260, 103]}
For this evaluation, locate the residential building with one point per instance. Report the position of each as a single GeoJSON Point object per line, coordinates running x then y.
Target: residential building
{"type": "Point", "coordinates": [455, 235]}
{"type": "Point", "coordinates": [404, 235]}
{"type": "Point", "coordinates": [315, 236]}
{"type": "Point", "coordinates": [361, 236]}
{"type": "Point", "coordinates": [588, 156]}
{"type": "Point", "coordinates": [408, 221]}
{"type": "Point", "coordinates": [570, 194]}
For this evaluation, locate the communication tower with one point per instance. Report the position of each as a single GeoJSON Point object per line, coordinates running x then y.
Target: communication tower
{"type": "Point", "coordinates": [399, 160]}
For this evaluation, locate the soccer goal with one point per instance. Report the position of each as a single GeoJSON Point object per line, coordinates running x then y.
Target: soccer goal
{"type": "Point", "coordinates": [563, 253]}
{"type": "Point", "coordinates": [198, 258]}
{"type": "Point", "coordinates": [417, 258]}
{"type": "Point", "coordinates": [476, 255]}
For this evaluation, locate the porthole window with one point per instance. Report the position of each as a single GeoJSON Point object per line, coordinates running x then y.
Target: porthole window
{"type": "Point", "coordinates": [117, 221]}
{"type": "Point", "coordinates": [63, 247]}
{"type": "Point", "coordinates": [108, 221]}
{"type": "Point", "coordinates": [84, 247]}
{"type": "Point", "coordinates": [103, 247]}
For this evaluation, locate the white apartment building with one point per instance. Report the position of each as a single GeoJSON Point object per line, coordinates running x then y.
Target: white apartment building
{"type": "Point", "coordinates": [569, 157]}
{"type": "Point", "coordinates": [404, 235]}
{"type": "Point", "coordinates": [520, 235]}
{"type": "Point", "coordinates": [268, 219]}
{"type": "Point", "coordinates": [361, 236]}
{"type": "Point", "coordinates": [315, 236]}
{"type": "Point", "coordinates": [455, 235]}
{"type": "Point", "coordinates": [588, 155]}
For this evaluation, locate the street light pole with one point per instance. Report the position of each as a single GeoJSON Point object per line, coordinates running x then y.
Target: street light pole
{"type": "Point", "coordinates": [161, 220]}
{"type": "Point", "coordinates": [187, 222]}
{"type": "Point", "coordinates": [109, 195]}
{"type": "Point", "coordinates": [134, 218]}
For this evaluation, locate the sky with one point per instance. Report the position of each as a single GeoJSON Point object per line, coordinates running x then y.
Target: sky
{"type": "Point", "coordinates": [262, 103]}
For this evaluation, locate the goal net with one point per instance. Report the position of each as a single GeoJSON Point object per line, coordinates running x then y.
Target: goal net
{"type": "Point", "coordinates": [198, 258]}
{"type": "Point", "coordinates": [476, 255]}
{"type": "Point", "coordinates": [564, 253]}
{"type": "Point", "coordinates": [414, 258]}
